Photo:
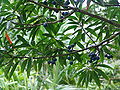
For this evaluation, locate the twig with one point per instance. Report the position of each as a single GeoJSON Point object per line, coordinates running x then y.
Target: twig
{"type": "Point", "coordinates": [81, 11]}
{"type": "Point", "coordinates": [34, 25]}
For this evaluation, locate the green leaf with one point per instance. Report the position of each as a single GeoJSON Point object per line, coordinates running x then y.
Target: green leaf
{"type": "Point", "coordinates": [104, 65]}
{"type": "Point", "coordinates": [21, 39]}
{"type": "Point", "coordinates": [29, 66]}
{"type": "Point", "coordinates": [23, 65]}
{"type": "Point", "coordinates": [22, 45]}
{"type": "Point", "coordinates": [13, 69]}
{"type": "Point", "coordinates": [96, 78]}
{"type": "Point", "coordinates": [102, 73]}
{"type": "Point", "coordinates": [48, 35]}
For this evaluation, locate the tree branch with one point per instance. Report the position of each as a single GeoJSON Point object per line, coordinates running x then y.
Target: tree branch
{"type": "Point", "coordinates": [34, 25]}
{"type": "Point", "coordinates": [81, 11]}
{"type": "Point", "coordinates": [59, 55]}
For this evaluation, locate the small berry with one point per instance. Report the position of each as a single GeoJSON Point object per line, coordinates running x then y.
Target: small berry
{"type": "Point", "coordinates": [108, 56]}
{"type": "Point", "coordinates": [90, 61]}
{"type": "Point", "coordinates": [54, 2]}
{"type": "Point", "coordinates": [53, 62]}
{"type": "Point", "coordinates": [72, 45]}
{"type": "Point", "coordinates": [61, 17]}
{"type": "Point", "coordinates": [93, 58]}
{"type": "Point", "coordinates": [97, 57]}
{"type": "Point", "coordinates": [69, 50]}
{"type": "Point", "coordinates": [71, 62]}
{"type": "Point", "coordinates": [92, 54]}
{"type": "Point", "coordinates": [68, 57]}
{"type": "Point", "coordinates": [49, 62]}
{"type": "Point", "coordinates": [56, 11]}
{"type": "Point", "coordinates": [45, 24]}
{"type": "Point", "coordinates": [45, 2]}
{"type": "Point", "coordinates": [55, 59]}
{"type": "Point", "coordinates": [65, 13]}
{"type": "Point", "coordinates": [69, 47]}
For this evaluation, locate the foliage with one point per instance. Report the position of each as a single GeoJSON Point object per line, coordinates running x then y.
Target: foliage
{"type": "Point", "coordinates": [36, 33]}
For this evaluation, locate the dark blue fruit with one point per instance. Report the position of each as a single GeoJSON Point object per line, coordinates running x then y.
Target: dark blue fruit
{"type": "Point", "coordinates": [45, 24]}
{"type": "Point", "coordinates": [56, 11]}
{"type": "Point", "coordinates": [61, 17]}
{"type": "Point", "coordinates": [49, 62]}
{"type": "Point", "coordinates": [65, 13]}
{"type": "Point", "coordinates": [68, 57]}
{"type": "Point", "coordinates": [93, 58]}
{"type": "Point", "coordinates": [92, 54]}
{"type": "Point", "coordinates": [52, 62]}
{"type": "Point", "coordinates": [108, 56]}
{"type": "Point", "coordinates": [69, 50]}
{"type": "Point", "coordinates": [55, 59]}
{"type": "Point", "coordinates": [90, 61]}
{"type": "Point", "coordinates": [54, 2]}
{"type": "Point", "coordinates": [45, 2]}
{"type": "Point", "coordinates": [72, 45]}
{"type": "Point", "coordinates": [97, 57]}
{"type": "Point", "coordinates": [69, 47]}
{"type": "Point", "coordinates": [71, 62]}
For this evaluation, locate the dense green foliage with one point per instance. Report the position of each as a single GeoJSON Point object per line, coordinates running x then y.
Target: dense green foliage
{"type": "Point", "coordinates": [62, 40]}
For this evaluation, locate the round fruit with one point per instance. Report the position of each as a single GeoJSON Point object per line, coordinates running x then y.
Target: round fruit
{"type": "Point", "coordinates": [56, 11]}
{"type": "Point", "coordinates": [65, 13]}
{"type": "Point", "coordinates": [69, 50]}
{"type": "Point", "coordinates": [45, 24]}
{"type": "Point", "coordinates": [54, 2]}
{"type": "Point", "coordinates": [72, 45]}
{"type": "Point", "coordinates": [97, 57]}
{"type": "Point", "coordinates": [49, 62]}
{"type": "Point", "coordinates": [53, 62]}
{"type": "Point", "coordinates": [69, 47]}
{"type": "Point", "coordinates": [68, 57]}
{"type": "Point", "coordinates": [92, 54]}
{"type": "Point", "coordinates": [71, 62]}
{"type": "Point", "coordinates": [61, 17]}
{"type": "Point", "coordinates": [55, 59]}
{"type": "Point", "coordinates": [108, 56]}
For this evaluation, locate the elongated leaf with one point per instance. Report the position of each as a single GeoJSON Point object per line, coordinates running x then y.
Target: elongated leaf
{"type": "Point", "coordinates": [24, 63]}
{"type": "Point", "coordinates": [104, 65]}
{"type": "Point", "coordinates": [96, 78]}
{"type": "Point", "coordinates": [13, 69]}
{"type": "Point", "coordinates": [29, 66]}
{"type": "Point", "coordinates": [21, 39]}
{"type": "Point", "coordinates": [102, 73]}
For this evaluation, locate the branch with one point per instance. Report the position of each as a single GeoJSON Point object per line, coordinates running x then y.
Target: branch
{"type": "Point", "coordinates": [34, 25]}
{"type": "Point", "coordinates": [59, 55]}
{"type": "Point", "coordinates": [81, 11]}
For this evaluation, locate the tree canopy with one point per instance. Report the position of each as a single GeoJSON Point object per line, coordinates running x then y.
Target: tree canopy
{"type": "Point", "coordinates": [37, 32]}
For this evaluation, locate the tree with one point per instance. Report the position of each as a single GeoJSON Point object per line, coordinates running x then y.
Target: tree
{"type": "Point", "coordinates": [34, 32]}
